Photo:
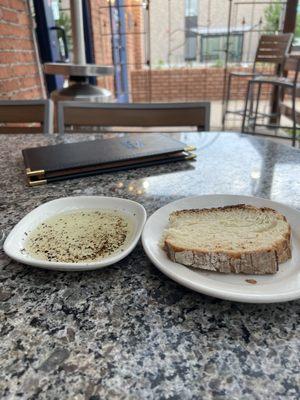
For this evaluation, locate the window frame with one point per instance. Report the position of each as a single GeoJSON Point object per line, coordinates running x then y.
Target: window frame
{"type": "Point", "coordinates": [220, 35]}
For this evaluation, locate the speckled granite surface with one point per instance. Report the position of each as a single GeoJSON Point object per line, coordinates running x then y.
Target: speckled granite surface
{"type": "Point", "coordinates": [127, 331]}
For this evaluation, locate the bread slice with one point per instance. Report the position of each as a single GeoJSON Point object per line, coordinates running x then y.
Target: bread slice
{"type": "Point", "coordinates": [239, 239]}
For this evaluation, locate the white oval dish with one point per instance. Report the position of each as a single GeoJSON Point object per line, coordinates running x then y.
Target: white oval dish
{"type": "Point", "coordinates": [14, 243]}
{"type": "Point", "coordinates": [282, 286]}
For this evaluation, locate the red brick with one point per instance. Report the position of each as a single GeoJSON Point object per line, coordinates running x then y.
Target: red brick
{"type": "Point", "coordinates": [5, 72]}
{"type": "Point", "coordinates": [8, 15]}
{"type": "Point", "coordinates": [18, 5]}
{"type": "Point", "coordinates": [24, 19]}
{"type": "Point", "coordinates": [26, 57]}
{"type": "Point", "coordinates": [24, 44]}
{"type": "Point", "coordinates": [9, 85]}
{"type": "Point", "coordinates": [24, 69]}
{"type": "Point", "coordinates": [31, 81]}
{"type": "Point", "coordinates": [31, 93]}
{"type": "Point", "coordinates": [5, 3]}
{"type": "Point", "coordinates": [15, 44]}
{"type": "Point", "coordinates": [6, 29]}
{"type": "Point", "coordinates": [7, 57]}
{"type": "Point", "coordinates": [13, 30]}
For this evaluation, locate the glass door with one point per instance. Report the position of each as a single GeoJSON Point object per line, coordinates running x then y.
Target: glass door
{"type": "Point", "coordinates": [48, 39]}
{"type": "Point", "coordinates": [54, 36]}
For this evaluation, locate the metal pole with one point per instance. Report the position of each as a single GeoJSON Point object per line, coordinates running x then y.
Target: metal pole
{"type": "Point", "coordinates": [169, 33]}
{"type": "Point", "coordinates": [77, 32]}
{"type": "Point", "coordinates": [149, 49]}
{"type": "Point", "coordinates": [226, 62]}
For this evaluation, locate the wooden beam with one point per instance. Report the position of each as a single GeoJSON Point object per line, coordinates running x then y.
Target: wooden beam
{"type": "Point", "coordinates": [290, 16]}
{"type": "Point", "coordinates": [289, 26]}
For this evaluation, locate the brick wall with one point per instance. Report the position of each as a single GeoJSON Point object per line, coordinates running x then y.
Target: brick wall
{"type": "Point", "coordinates": [19, 74]}
{"type": "Point", "coordinates": [186, 84]}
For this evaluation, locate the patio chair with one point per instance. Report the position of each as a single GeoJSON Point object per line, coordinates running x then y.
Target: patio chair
{"type": "Point", "coordinates": [83, 114]}
{"type": "Point", "coordinates": [22, 116]}
{"type": "Point", "coordinates": [272, 49]}
{"type": "Point", "coordinates": [287, 86]}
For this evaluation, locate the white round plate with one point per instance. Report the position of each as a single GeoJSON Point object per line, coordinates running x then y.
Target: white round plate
{"type": "Point", "coordinates": [14, 243]}
{"type": "Point", "coordinates": [282, 286]}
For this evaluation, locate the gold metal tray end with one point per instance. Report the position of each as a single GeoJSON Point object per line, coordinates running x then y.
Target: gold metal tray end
{"type": "Point", "coordinates": [39, 172]}
{"type": "Point", "coordinates": [191, 156]}
{"type": "Point", "coordinates": [37, 183]}
{"type": "Point", "coordinates": [190, 148]}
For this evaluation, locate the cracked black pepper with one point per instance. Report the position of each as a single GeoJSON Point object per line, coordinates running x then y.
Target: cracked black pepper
{"type": "Point", "coordinates": [80, 236]}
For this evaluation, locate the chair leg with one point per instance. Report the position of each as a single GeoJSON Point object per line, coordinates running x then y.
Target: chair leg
{"type": "Point", "coordinates": [227, 98]}
{"type": "Point", "coordinates": [256, 108]}
{"type": "Point", "coordinates": [294, 118]}
{"type": "Point", "coordinates": [280, 96]}
{"type": "Point", "coordinates": [246, 107]}
{"type": "Point", "coordinates": [251, 98]}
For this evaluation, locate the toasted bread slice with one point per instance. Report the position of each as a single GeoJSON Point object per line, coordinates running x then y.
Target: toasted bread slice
{"type": "Point", "coordinates": [239, 239]}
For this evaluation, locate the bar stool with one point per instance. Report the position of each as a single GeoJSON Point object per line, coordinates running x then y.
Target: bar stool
{"type": "Point", "coordinates": [272, 49]}
{"type": "Point", "coordinates": [286, 85]}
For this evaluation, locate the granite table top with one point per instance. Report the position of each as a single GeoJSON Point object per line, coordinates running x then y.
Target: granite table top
{"type": "Point", "coordinates": [127, 331]}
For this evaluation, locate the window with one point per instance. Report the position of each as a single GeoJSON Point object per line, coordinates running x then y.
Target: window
{"type": "Point", "coordinates": [213, 47]}
{"type": "Point", "coordinates": [191, 8]}
{"type": "Point", "coordinates": [191, 22]}
{"type": "Point", "coordinates": [190, 50]}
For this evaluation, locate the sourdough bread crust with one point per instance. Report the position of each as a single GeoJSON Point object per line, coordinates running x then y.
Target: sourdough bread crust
{"type": "Point", "coordinates": [259, 262]}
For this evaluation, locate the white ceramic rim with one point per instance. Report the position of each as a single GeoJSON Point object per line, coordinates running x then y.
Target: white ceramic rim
{"type": "Point", "coordinates": [20, 229]}
{"type": "Point", "coordinates": [209, 289]}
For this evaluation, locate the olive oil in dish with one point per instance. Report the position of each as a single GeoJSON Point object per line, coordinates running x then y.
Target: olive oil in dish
{"type": "Point", "coordinates": [80, 236]}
